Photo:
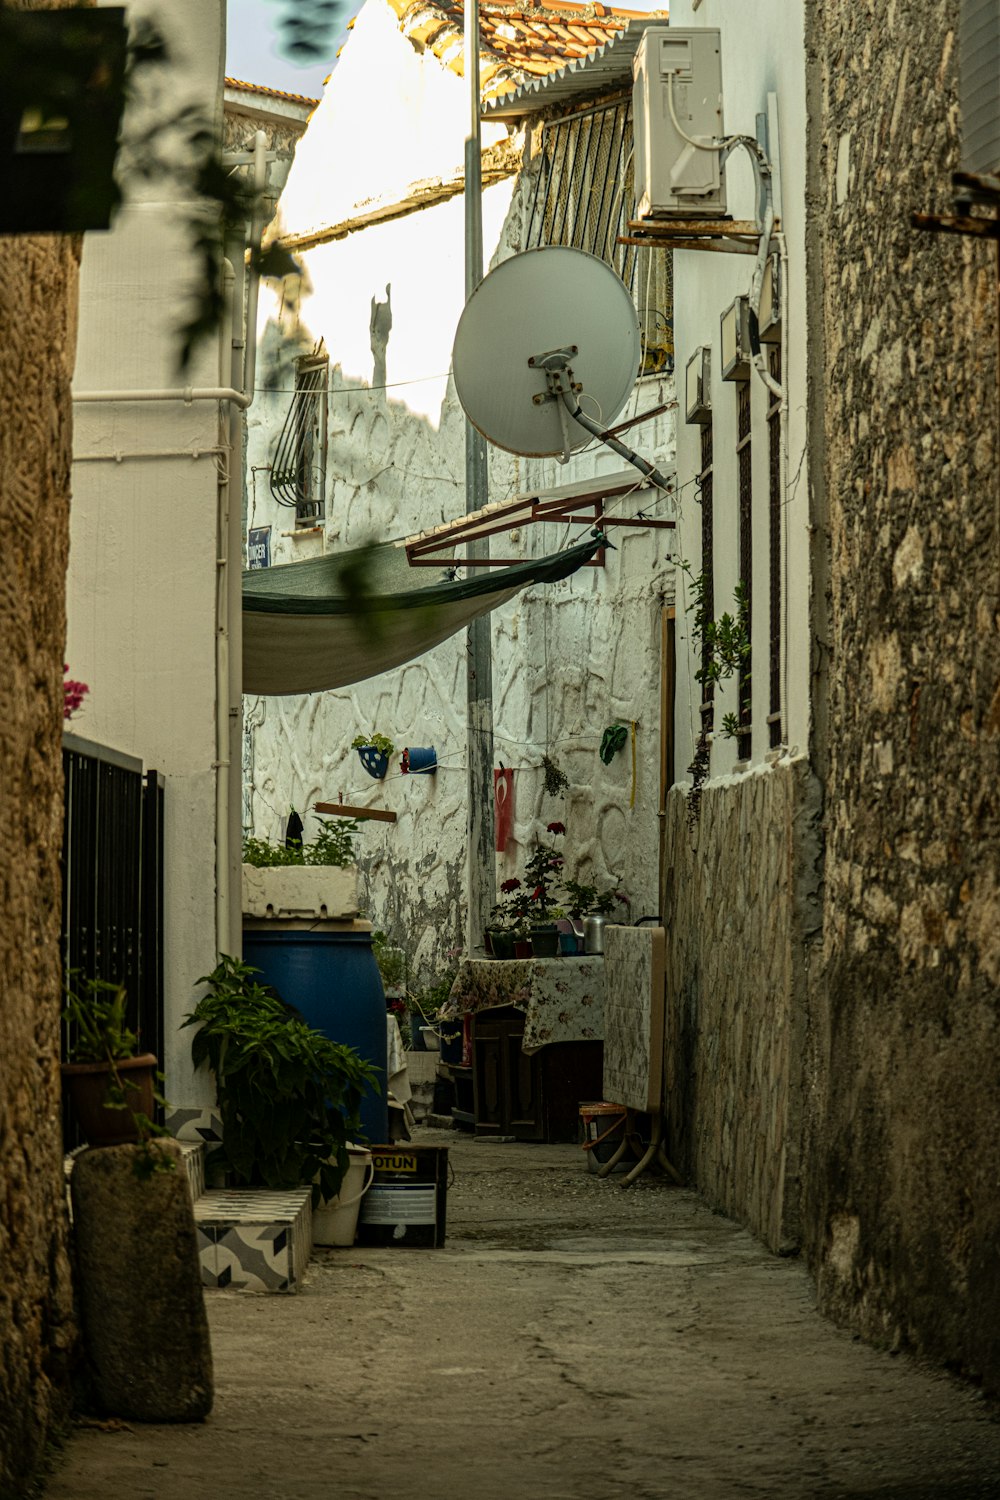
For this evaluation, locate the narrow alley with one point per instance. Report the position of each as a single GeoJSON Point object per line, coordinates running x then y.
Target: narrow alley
{"type": "Point", "coordinates": [571, 1340]}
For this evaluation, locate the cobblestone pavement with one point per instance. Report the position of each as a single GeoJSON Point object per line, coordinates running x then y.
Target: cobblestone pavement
{"type": "Point", "coordinates": [571, 1341]}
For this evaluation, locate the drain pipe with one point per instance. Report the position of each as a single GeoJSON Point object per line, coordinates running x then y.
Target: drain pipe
{"type": "Point", "coordinates": [223, 588]}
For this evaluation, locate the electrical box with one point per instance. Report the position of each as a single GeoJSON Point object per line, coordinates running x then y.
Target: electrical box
{"type": "Point", "coordinates": [677, 114]}
{"type": "Point", "coordinates": [698, 387]}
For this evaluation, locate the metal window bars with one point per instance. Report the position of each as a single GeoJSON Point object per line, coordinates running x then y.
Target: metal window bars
{"type": "Point", "coordinates": [298, 472]}
{"type": "Point", "coordinates": [583, 198]}
{"type": "Point", "coordinates": [744, 463]}
{"type": "Point", "coordinates": [774, 550]}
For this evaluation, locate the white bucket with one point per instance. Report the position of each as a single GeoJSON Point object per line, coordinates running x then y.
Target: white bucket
{"type": "Point", "coordinates": [335, 1220]}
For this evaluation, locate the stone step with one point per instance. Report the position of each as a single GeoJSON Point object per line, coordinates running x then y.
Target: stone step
{"type": "Point", "coordinates": [254, 1239]}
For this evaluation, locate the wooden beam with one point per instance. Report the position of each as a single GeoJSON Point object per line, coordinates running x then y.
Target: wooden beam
{"type": "Point", "coordinates": [341, 810]}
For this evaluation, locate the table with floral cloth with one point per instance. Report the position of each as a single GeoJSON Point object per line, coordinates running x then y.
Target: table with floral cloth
{"type": "Point", "coordinates": [562, 998]}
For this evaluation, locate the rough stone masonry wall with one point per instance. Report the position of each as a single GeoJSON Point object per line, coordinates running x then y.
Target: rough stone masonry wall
{"type": "Point", "coordinates": [37, 317]}
{"type": "Point", "coordinates": [902, 1209]}
{"type": "Point", "coordinates": [740, 898]}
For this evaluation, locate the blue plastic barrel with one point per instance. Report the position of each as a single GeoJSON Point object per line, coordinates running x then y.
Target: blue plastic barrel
{"type": "Point", "coordinates": [331, 977]}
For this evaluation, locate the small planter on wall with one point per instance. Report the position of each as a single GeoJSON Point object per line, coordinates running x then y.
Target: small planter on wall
{"type": "Point", "coordinates": [374, 762]}
{"type": "Point", "coordinates": [419, 761]}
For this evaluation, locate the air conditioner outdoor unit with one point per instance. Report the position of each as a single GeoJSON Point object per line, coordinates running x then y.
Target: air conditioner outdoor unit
{"type": "Point", "coordinates": [677, 93]}
{"type": "Point", "coordinates": [979, 84]}
{"type": "Point", "coordinates": [698, 387]}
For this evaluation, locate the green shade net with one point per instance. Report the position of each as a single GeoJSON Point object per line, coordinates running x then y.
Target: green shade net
{"type": "Point", "coordinates": [325, 623]}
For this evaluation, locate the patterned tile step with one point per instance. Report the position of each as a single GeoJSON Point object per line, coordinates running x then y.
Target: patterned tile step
{"type": "Point", "coordinates": [254, 1239]}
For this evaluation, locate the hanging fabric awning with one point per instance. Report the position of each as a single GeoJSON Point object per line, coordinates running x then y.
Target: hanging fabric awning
{"type": "Point", "coordinates": [325, 623]}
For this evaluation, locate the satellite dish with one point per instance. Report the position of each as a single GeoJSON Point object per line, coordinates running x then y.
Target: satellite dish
{"type": "Point", "coordinates": [540, 315]}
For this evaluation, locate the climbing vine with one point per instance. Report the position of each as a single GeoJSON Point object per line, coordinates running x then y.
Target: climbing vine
{"type": "Point", "coordinates": [724, 647]}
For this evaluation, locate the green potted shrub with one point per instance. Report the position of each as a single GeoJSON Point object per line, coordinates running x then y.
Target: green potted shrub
{"type": "Point", "coordinates": [110, 1083]}
{"type": "Point", "coordinates": [318, 878]}
{"type": "Point", "coordinates": [288, 1096]}
{"type": "Point", "coordinates": [374, 750]}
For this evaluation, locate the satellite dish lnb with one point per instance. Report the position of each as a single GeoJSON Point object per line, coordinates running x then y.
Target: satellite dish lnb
{"type": "Point", "coordinates": [530, 305]}
{"type": "Point", "coordinates": [544, 332]}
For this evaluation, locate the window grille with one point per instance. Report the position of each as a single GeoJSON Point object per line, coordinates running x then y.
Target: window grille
{"type": "Point", "coordinates": [583, 198]}
{"type": "Point", "coordinates": [705, 495]}
{"type": "Point", "coordinates": [774, 550]}
{"type": "Point", "coordinates": [745, 477]}
{"type": "Point", "coordinates": [298, 473]}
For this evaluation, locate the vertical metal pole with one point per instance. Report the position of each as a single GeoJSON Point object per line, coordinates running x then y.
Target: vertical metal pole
{"type": "Point", "coordinates": [481, 846]}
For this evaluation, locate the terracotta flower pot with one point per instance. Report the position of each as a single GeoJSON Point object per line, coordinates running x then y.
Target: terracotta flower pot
{"type": "Point", "coordinates": [87, 1086]}
{"type": "Point", "coordinates": [522, 948]}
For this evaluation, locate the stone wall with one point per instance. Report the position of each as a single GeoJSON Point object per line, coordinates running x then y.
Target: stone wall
{"type": "Point", "coordinates": [901, 1208]}
{"type": "Point", "coordinates": [741, 905]}
{"type": "Point", "coordinates": [37, 311]}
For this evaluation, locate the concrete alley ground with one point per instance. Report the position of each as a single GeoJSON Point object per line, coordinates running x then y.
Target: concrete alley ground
{"type": "Point", "coordinates": [571, 1341]}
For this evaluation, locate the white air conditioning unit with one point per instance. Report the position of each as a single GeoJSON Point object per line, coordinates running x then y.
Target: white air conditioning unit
{"type": "Point", "coordinates": [698, 387]}
{"type": "Point", "coordinates": [677, 111]}
{"type": "Point", "coordinates": [734, 330]}
{"type": "Point", "coordinates": [979, 84]}
{"type": "Point", "coordinates": [769, 322]}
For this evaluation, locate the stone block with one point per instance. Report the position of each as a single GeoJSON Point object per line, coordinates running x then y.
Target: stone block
{"type": "Point", "coordinates": [141, 1304]}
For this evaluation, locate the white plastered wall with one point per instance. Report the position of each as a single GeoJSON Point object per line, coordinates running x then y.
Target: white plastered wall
{"type": "Point", "coordinates": [762, 55]}
{"type": "Point", "coordinates": [568, 659]}
{"type": "Point", "coordinates": [142, 573]}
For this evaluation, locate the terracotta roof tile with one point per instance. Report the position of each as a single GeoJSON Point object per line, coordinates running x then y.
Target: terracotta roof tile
{"type": "Point", "coordinates": [517, 40]}
{"type": "Point", "coordinates": [260, 88]}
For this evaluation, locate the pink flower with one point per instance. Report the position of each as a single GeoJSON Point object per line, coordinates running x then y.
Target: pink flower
{"type": "Point", "coordinates": [73, 694]}
{"type": "Point", "coordinates": [513, 884]}
{"type": "Point", "coordinates": [557, 828]}
{"type": "Point", "coordinates": [621, 897]}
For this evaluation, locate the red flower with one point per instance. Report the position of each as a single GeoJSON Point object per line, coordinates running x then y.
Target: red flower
{"type": "Point", "coordinates": [623, 899]}
{"type": "Point", "coordinates": [537, 893]}
{"type": "Point", "coordinates": [510, 885]}
{"type": "Point", "coordinates": [557, 828]}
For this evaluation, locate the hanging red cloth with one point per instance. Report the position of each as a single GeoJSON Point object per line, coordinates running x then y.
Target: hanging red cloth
{"type": "Point", "coordinates": [503, 807]}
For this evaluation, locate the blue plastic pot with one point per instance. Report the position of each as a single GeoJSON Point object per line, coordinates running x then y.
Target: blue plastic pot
{"type": "Point", "coordinates": [374, 762]}
{"type": "Point", "coordinates": [422, 760]}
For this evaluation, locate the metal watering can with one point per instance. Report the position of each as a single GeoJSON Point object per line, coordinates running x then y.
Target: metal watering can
{"type": "Point", "coordinates": [594, 924]}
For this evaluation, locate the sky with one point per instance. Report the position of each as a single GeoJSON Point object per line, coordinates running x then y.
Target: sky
{"type": "Point", "coordinates": [253, 54]}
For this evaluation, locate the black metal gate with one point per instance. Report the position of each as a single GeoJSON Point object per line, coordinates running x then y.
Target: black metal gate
{"type": "Point", "coordinates": [112, 870]}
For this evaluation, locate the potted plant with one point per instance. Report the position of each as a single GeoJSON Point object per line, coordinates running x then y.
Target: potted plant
{"type": "Point", "coordinates": [542, 870]}
{"type": "Point", "coordinates": [505, 917]}
{"type": "Point", "coordinates": [282, 880]}
{"type": "Point", "coordinates": [374, 750]}
{"type": "Point", "coordinates": [288, 1096]}
{"type": "Point", "coordinates": [111, 1084]}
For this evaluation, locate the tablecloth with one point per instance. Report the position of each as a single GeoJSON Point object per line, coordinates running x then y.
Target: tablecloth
{"type": "Point", "coordinates": [562, 998]}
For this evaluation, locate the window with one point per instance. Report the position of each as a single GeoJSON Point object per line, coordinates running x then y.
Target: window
{"type": "Point", "coordinates": [774, 550]}
{"type": "Point", "coordinates": [298, 473]}
{"type": "Point", "coordinates": [745, 479]}
{"type": "Point", "coordinates": [583, 198]}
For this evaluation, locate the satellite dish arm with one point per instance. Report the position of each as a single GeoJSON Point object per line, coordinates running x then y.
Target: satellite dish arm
{"type": "Point", "coordinates": [560, 387]}
{"type": "Point", "coordinates": [650, 471]}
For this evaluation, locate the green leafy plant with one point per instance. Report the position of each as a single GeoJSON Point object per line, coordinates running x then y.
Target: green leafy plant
{"type": "Point", "coordinates": [556, 782]}
{"type": "Point", "coordinates": [725, 651]}
{"type": "Point", "coordinates": [95, 1012]}
{"type": "Point", "coordinates": [583, 897]}
{"type": "Point", "coordinates": [333, 845]}
{"type": "Point", "coordinates": [288, 1096]}
{"type": "Point", "coordinates": [392, 961]}
{"type": "Point", "coordinates": [379, 742]}
{"type": "Point", "coordinates": [542, 874]}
